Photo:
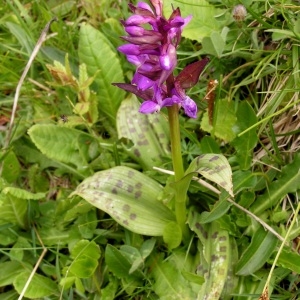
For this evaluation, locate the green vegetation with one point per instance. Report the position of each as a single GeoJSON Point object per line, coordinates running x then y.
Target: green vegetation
{"type": "Point", "coordinates": [88, 197]}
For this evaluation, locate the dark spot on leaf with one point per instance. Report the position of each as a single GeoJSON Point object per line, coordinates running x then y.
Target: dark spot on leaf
{"type": "Point", "coordinates": [214, 158]}
{"type": "Point", "coordinates": [130, 174]}
{"type": "Point", "coordinates": [223, 248]}
{"type": "Point", "coordinates": [125, 222]}
{"type": "Point", "coordinates": [137, 194]}
{"type": "Point", "coordinates": [119, 183]}
{"type": "Point", "coordinates": [162, 135]}
{"type": "Point", "coordinates": [214, 258]}
{"type": "Point", "coordinates": [222, 238]}
{"type": "Point", "coordinates": [129, 188]}
{"type": "Point", "coordinates": [143, 142]}
{"type": "Point", "coordinates": [126, 207]}
{"type": "Point", "coordinates": [220, 168]}
{"type": "Point", "coordinates": [132, 216]}
{"type": "Point", "coordinates": [214, 235]}
{"type": "Point", "coordinates": [138, 185]}
{"type": "Point", "coordinates": [201, 229]}
{"type": "Point", "coordinates": [223, 183]}
{"type": "Point", "coordinates": [137, 153]}
{"type": "Point", "coordinates": [114, 191]}
{"type": "Point", "coordinates": [132, 130]}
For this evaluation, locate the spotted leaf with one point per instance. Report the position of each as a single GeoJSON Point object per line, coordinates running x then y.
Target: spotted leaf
{"type": "Point", "coordinates": [214, 167]}
{"type": "Point", "coordinates": [129, 197]}
{"type": "Point", "coordinates": [147, 133]}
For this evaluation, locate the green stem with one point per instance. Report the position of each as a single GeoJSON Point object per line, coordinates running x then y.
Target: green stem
{"type": "Point", "coordinates": [180, 196]}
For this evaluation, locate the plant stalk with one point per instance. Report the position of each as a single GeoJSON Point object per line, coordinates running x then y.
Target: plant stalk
{"type": "Point", "coordinates": [180, 196]}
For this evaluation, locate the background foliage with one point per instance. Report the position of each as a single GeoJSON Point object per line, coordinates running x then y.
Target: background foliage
{"type": "Point", "coordinates": [72, 122]}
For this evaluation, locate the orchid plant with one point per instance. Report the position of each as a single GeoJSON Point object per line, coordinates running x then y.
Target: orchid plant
{"type": "Point", "coordinates": [131, 198]}
{"type": "Point", "coordinates": [153, 52]}
{"type": "Point", "coordinates": [152, 43]}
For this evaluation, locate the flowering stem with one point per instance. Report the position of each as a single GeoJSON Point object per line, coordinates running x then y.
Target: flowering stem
{"type": "Point", "coordinates": [180, 197]}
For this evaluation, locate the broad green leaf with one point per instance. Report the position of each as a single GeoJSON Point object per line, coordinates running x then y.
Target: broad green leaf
{"type": "Point", "coordinates": [134, 257]}
{"type": "Point", "coordinates": [39, 287]}
{"type": "Point", "coordinates": [85, 256]}
{"type": "Point", "coordinates": [290, 260]}
{"type": "Point", "coordinates": [287, 183]}
{"type": "Point", "coordinates": [60, 143]}
{"type": "Point", "coordinates": [245, 144]}
{"type": "Point", "coordinates": [10, 167]}
{"type": "Point", "coordinates": [147, 247]}
{"type": "Point", "coordinates": [9, 271]}
{"type": "Point", "coordinates": [110, 290]}
{"type": "Point", "coordinates": [262, 245]}
{"type": "Point", "coordinates": [129, 197]}
{"type": "Point", "coordinates": [209, 145]}
{"type": "Point", "coordinates": [22, 194]}
{"type": "Point", "coordinates": [13, 210]}
{"type": "Point", "coordinates": [149, 134]}
{"type": "Point", "coordinates": [224, 120]}
{"type": "Point", "coordinates": [204, 20]}
{"type": "Point", "coordinates": [214, 167]}
{"type": "Point", "coordinates": [214, 44]}
{"type": "Point", "coordinates": [169, 284]}
{"type": "Point", "coordinates": [172, 235]}
{"type": "Point", "coordinates": [97, 53]}
{"type": "Point", "coordinates": [17, 250]}
{"type": "Point", "coordinates": [119, 263]}
{"type": "Point", "coordinates": [62, 8]}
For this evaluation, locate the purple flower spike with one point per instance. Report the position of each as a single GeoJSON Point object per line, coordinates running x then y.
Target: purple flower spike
{"type": "Point", "coordinates": [153, 40]}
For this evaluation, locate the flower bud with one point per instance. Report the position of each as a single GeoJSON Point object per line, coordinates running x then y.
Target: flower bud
{"type": "Point", "coordinates": [239, 13]}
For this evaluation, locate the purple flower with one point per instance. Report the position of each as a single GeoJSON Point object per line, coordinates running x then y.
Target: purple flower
{"type": "Point", "coordinates": [153, 40]}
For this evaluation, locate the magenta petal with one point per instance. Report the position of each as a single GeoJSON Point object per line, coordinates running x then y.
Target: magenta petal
{"type": "Point", "coordinates": [149, 107]}
{"type": "Point", "coordinates": [129, 49]}
{"type": "Point", "coordinates": [143, 83]}
{"type": "Point", "coordinates": [190, 107]}
{"type": "Point", "coordinates": [171, 101]}
{"type": "Point", "coordinates": [134, 30]}
{"type": "Point", "coordinates": [168, 60]}
{"type": "Point", "coordinates": [137, 20]}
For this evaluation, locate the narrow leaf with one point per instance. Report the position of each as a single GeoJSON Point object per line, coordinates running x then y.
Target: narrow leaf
{"type": "Point", "coordinates": [262, 245]}
{"type": "Point", "coordinates": [245, 144]}
{"type": "Point", "coordinates": [287, 183]}
{"type": "Point", "coordinates": [217, 254]}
